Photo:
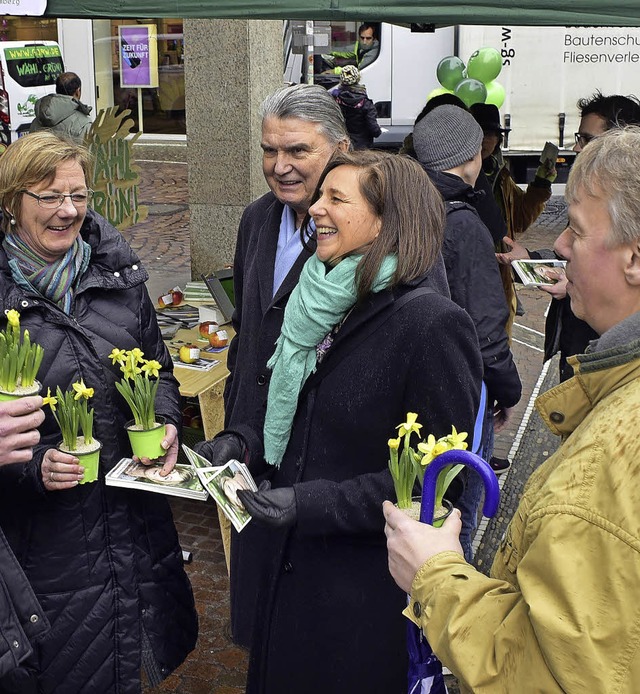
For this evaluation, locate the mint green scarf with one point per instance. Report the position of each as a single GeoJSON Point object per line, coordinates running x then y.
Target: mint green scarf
{"type": "Point", "coordinates": [320, 301]}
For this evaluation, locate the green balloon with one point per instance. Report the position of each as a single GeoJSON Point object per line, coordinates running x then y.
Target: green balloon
{"type": "Point", "coordinates": [438, 91]}
{"type": "Point", "coordinates": [471, 92]}
{"type": "Point", "coordinates": [495, 94]}
{"type": "Point", "coordinates": [484, 65]}
{"type": "Point", "coordinates": [450, 72]}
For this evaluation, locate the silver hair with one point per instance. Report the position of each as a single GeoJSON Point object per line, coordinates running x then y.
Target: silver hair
{"type": "Point", "coordinates": [609, 167]}
{"type": "Point", "coordinates": [309, 102]}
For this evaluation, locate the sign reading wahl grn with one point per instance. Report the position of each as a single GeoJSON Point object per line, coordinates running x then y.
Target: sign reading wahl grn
{"type": "Point", "coordinates": [34, 66]}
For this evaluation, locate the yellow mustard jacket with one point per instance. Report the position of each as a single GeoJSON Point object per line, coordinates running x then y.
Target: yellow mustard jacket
{"type": "Point", "coordinates": [561, 610]}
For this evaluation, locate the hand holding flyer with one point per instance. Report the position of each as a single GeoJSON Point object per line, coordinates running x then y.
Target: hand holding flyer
{"type": "Point", "coordinates": [223, 483]}
{"type": "Point", "coordinates": [534, 273]}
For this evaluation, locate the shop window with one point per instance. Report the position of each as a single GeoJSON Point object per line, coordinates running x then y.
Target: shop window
{"type": "Point", "coordinates": [14, 28]}
{"type": "Point", "coordinates": [156, 109]}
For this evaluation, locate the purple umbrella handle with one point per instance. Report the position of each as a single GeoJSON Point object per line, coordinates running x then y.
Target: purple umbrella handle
{"type": "Point", "coordinates": [489, 479]}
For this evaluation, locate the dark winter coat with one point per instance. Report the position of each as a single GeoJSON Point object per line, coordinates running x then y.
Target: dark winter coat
{"type": "Point", "coordinates": [475, 284]}
{"type": "Point", "coordinates": [257, 320]}
{"type": "Point", "coordinates": [359, 115]}
{"type": "Point", "coordinates": [64, 115]}
{"type": "Point", "coordinates": [104, 562]}
{"type": "Point", "coordinates": [329, 615]}
{"type": "Point", "coordinates": [22, 620]}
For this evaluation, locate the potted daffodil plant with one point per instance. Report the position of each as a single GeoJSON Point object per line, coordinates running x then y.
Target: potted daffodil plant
{"type": "Point", "coordinates": [73, 415]}
{"type": "Point", "coordinates": [20, 360]}
{"type": "Point", "coordinates": [138, 387]}
{"type": "Point", "coordinates": [408, 465]}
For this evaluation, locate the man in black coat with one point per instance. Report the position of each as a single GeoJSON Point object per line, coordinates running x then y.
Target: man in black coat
{"type": "Point", "coordinates": [448, 142]}
{"type": "Point", "coordinates": [301, 128]}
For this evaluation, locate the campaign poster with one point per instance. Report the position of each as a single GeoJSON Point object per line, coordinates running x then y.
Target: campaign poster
{"type": "Point", "coordinates": [138, 55]}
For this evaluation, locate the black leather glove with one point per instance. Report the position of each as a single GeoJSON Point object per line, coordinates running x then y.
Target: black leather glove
{"type": "Point", "coordinates": [274, 507]}
{"type": "Point", "coordinates": [221, 449]}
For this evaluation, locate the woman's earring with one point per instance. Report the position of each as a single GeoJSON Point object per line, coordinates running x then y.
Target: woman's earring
{"type": "Point", "coordinates": [12, 221]}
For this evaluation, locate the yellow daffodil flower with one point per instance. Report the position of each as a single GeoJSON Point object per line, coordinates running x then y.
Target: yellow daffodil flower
{"type": "Point", "coordinates": [137, 354]}
{"type": "Point", "coordinates": [457, 440]}
{"type": "Point", "coordinates": [50, 400]}
{"type": "Point", "coordinates": [394, 444]}
{"type": "Point", "coordinates": [152, 368]}
{"type": "Point", "coordinates": [13, 317]}
{"type": "Point", "coordinates": [117, 356]}
{"type": "Point", "coordinates": [411, 425]}
{"type": "Point", "coordinates": [130, 367]}
{"type": "Point", "coordinates": [426, 447]}
{"type": "Point", "coordinates": [82, 391]}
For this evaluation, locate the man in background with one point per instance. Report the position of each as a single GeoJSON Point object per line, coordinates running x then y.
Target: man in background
{"type": "Point", "coordinates": [63, 113]}
{"type": "Point", "coordinates": [364, 52]}
{"type": "Point", "coordinates": [302, 127]}
{"type": "Point", "coordinates": [563, 331]}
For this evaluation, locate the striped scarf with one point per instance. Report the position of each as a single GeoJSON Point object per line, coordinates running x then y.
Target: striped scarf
{"type": "Point", "coordinates": [53, 280]}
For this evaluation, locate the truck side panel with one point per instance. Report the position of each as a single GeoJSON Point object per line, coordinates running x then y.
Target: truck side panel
{"type": "Point", "coordinates": [547, 69]}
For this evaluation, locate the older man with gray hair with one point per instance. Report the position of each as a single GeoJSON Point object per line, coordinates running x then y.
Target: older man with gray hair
{"type": "Point", "coordinates": [559, 612]}
{"type": "Point", "coordinates": [301, 128]}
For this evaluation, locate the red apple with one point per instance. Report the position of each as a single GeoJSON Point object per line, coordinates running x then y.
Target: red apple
{"type": "Point", "coordinates": [206, 328]}
{"type": "Point", "coordinates": [219, 338]}
{"type": "Point", "coordinates": [165, 300]}
{"type": "Point", "coordinates": [173, 297]}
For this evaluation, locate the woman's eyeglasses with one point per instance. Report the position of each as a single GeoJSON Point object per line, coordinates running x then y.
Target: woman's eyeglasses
{"type": "Point", "coordinates": [80, 198]}
{"type": "Point", "coordinates": [583, 140]}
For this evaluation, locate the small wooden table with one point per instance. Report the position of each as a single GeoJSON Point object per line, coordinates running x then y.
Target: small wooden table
{"type": "Point", "coordinates": [193, 382]}
{"type": "Point", "coordinates": [208, 387]}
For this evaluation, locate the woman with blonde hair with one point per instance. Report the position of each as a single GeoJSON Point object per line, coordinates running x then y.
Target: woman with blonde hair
{"type": "Point", "coordinates": [104, 562]}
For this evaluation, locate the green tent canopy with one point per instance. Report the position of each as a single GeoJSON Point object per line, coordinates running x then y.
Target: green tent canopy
{"type": "Point", "coordinates": [491, 12]}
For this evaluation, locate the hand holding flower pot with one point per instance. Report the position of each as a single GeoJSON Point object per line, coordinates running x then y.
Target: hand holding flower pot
{"type": "Point", "coordinates": [139, 387]}
{"type": "Point", "coordinates": [71, 411]}
{"type": "Point", "coordinates": [20, 360]}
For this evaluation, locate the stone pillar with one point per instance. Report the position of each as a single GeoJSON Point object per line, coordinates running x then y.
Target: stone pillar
{"type": "Point", "coordinates": [230, 66]}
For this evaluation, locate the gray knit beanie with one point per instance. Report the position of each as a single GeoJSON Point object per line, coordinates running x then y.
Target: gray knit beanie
{"type": "Point", "coordinates": [446, 137]}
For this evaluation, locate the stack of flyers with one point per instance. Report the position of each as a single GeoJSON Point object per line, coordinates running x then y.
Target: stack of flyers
{"type": "Point", "coordinates": [222, 483]}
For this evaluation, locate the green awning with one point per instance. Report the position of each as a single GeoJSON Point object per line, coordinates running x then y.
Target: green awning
{"type": "Point", "coordinates": [501, 12]}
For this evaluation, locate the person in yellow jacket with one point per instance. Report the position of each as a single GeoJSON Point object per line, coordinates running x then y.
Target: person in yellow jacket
{"type": "Point", "coordinates": [559, 611]}
{"type": "Point", "coordinates": [520, 208]}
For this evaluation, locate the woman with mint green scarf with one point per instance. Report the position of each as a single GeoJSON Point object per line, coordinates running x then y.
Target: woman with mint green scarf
{"type": "Point", "coordinates": [369, 334]}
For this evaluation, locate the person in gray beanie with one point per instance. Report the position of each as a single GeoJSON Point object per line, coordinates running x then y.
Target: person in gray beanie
{"type": "Point", "coordinates": [448, 143]}
{"type": "Point", "coordinates": [447, 137]}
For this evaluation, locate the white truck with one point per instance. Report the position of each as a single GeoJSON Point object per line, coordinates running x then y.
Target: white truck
{"type": "Point", "coordinates": [545, 70]}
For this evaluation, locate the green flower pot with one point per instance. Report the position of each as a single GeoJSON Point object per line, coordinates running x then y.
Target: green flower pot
{"type": "Point", "coordinates": [88, 455]}
{"type": "Point", "coordinates": [20, 392]}
{"type": "Point", "coordinates": [442, 513]}
{"type": "Point", "coordinates": [145, 443]}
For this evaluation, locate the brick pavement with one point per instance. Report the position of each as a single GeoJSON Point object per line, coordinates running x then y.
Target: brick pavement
{"type": "Point", "coordinates": [216, 665]}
